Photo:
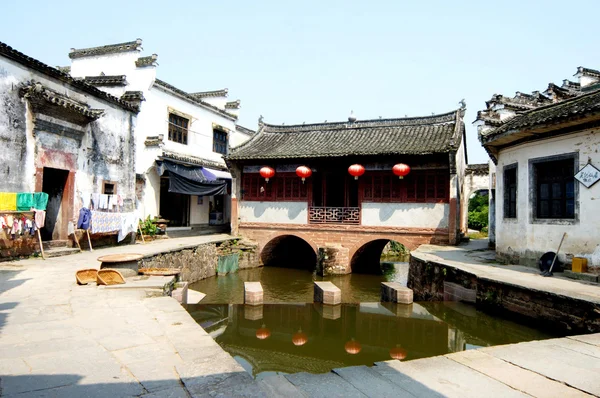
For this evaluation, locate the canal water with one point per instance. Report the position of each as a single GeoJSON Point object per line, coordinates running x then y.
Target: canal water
{"type": "Point", "coordinates": [290, 333]}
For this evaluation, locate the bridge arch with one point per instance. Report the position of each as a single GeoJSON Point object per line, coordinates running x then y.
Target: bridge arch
{"type": "Point", "coordinates": [365, 258]}
{"type": "Point", "coordinates": [289, 251]}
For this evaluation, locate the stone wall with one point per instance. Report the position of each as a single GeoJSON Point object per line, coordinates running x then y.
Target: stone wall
{"type": "Point", "coordinates": [544, 309]}
{"type": "Point", "coordinates": [201, 262]}
{"type": "Point", "coordinates": [23, 246]}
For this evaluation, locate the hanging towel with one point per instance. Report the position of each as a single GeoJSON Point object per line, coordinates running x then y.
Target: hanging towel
{"type": "Point", "coordinates": [40, 200]}
{"type": "Point", "coordinates": [119, 200]}
{"type": "Point", "coordinates": [8, 201]}
{"type": "Point", "coordinates": [111, 201]}
{"type": "Point", "coordinates": [24, 201]}
{"type": "Point", "coordinates": [85, 199]}
{"type": "Point", "coordinates": [103, 201]}
{"type": "Point", "coordinates": [96, 200]}
{"type": "Point", "coordinates": [85, 215]}
{"type": "Point", "coordinates": [40, 218]}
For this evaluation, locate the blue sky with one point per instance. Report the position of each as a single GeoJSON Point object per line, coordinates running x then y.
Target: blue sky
{"type": "Point", "coordinates": [310, 61]}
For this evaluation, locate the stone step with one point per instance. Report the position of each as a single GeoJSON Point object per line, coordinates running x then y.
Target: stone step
{"type": "Point", "coordinates": [53, 244]}
{"type": "Point", "coordinates": [59, 252]}
{"type": "Point", "coordinates": [370, 382]}
{"type": "Point", "coordinates": [324, 385]}
{"type": "Point", "coordinates": [279, 386]}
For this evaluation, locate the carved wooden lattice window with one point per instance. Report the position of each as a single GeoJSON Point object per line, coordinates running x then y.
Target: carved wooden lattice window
{"type": "Point", "coordinates": [430, 186]}
{"type": "Point", "coordinates": [178, 129]}
{"type": "Point", "coordinates": [283, 187]}
{"type": "Point", "coordinates": [220, 141]}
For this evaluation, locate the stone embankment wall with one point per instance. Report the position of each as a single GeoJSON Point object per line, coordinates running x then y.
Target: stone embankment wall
{"type": "Point", "coordinates": [200, 262]}
{"type": "Point", "coordinates": [557, 312]}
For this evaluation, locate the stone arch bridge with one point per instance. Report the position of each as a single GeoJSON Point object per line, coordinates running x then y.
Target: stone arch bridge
{"type": "Point", "coordinates": [337, 249]}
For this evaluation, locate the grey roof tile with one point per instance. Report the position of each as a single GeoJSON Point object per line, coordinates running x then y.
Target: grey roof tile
{"type": "Point", "coordinates": [418, 135]}
{"type": "Point", "coordinates": [108, 49]}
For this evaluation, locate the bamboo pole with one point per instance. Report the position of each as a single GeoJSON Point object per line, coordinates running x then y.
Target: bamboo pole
{"type": "Point", "coordinates": [41, 244]}
{"type": "Point", "coordinates": [141, 233]}
{"type": "Point", "coordinates": [87, 231]}
{"type": "Point", "coordinates": [75, 236]}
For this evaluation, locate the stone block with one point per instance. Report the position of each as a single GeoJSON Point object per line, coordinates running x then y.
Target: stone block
{"type": "Point", "coordinates": [455, 292]}
{"type": "Point", "coordinates": [332, 312]}
{"type": "Point", "coordinates": [253, 312]}
{"type": "Point", "coordinates": [327, 293]}
{"type": "Point", "coordinates": [582, 276]}
{"type": "Point", "coordinates": [396, 293]}
{"type": "Point", "coordinates": [180, 293]}
{"type": "Point", "coordinates": [399, 310]}
{"type": "Point", "coordinates": [253, 293]}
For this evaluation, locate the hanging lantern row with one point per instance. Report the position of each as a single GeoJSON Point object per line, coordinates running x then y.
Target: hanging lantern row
{"type": "Point", "coordinates": [356, 170]}
{"type": "Point", "coordinates": [303, 172]}
{"type": "Point", "coordinates": [267, 172]}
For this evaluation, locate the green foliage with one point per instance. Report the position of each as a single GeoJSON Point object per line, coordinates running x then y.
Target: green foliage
{"type": "Point", "coordinates": [478, 212]}
{"type": "Point", "coordinates": [148, 227]}
{"type": "Point", "coordinates": [398, 248]}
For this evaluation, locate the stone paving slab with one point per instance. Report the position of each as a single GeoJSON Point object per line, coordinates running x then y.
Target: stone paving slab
{"type": "Point", "coordinates": [370, 383]}
{"type": "Point", "coordinates": [518, 378]}
{"type": "Point", "coordinates": [279, 386]}
{"type": "Point", "coordinates": [325, 385]}
{"type": "Point", "coordinates": [448, 378]}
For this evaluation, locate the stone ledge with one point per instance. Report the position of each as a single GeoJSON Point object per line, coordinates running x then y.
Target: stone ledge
{"type": "Point", "coordinates": [582, 276]}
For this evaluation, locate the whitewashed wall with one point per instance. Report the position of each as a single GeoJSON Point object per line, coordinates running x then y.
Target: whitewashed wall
{"type": "Point", "coordinates": [423, 215]}
{"type": "Point", "coordinates": [274, 212]}
{"type": "Point", "coordinates": [521, 237]}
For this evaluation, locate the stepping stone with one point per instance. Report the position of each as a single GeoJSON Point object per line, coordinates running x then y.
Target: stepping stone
{"type": "Point", "coordinates": [396, 293]}
{"type": "Point", "coordinates": [253, 293]}
{"type": "Point", "coordinates": [194, 297]}
{"type": "Point", "coordinates": [324, 385]}
{"type": "Point", "coordinates": [327, 293]}
{"type": "Point", "coordinates": [370, 382]}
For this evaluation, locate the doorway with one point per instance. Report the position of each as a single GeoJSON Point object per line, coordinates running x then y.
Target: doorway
{"type": "Point", "coordinates": [54, 183]}
{"type": "Point", "coordinates": [174, 207]}
{"type": "Point", "coordinates": [335, 190]}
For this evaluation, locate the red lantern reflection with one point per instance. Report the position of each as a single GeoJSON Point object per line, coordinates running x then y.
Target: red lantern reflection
{"type": "Point", "coordinates": [353, 347]}
{"type": "Point", "coordinates": [356, 170]}
{"type": "Point", "coordinates": [401, 170]}
{"type": "Point", "coordinates": [263, 333]}
{"type": "Point", "coordinates": [398, 353]}
{"type": "Point", "coordinates": [299, 338]}
{"type": "Point", "coordinates": [303, 172]}
{"type": "Point", "coordinates": [267, 172]}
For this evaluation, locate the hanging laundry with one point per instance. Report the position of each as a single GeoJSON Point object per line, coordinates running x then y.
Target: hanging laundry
{"type": "Point", "coordinates": [119, 200]}
{"type": "Point", "coordinates": [9, 221]}
{"type": "Point", "coordinates": [3, 223]}
{"type": "Point", "coordinates": [29, 226]}
{"type": "Point", "coordinates": [40, 200]}
{"type": "Point", "coordinates": [85, 199]}
{"type": "Point", "coordinates": [103, 222]}
{"type": "Point", "coordinates": [8, 201]}
{"type": "Point", "coordinates": [96, 200]}
{"type": "Point", "coordinates": [103, 201]}
{"type": "Point", "coordinates": [111, 201]}
{"type": "Point", "coordinates": [129, 223]}
{"type": "Point", "coordinates": [40, 218]}
{"type": "Point", "coordinates": [85, 215]}
{"type": "Point", "coordinates": [24, 201]}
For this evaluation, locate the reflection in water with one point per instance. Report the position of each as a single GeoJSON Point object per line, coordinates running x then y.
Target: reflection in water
{"type": "Point", "coordinates": [296, 286]}
{"type": "Point", "coordinates": [315, 338]}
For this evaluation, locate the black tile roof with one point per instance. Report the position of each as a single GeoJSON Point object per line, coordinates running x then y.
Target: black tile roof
{"type": "Point", "coordinates": [64, 69]}
{"type": "Point", "coordinates": [478, 169]}
{"type": "Point", "coordinates": [191, 160]}
{"type": "Point", "coordinates": [103, 80]}
{"type": "Point", "coordinates": [108, 49]}
{"type": "Point", "coordinates": [418, 135]}
{"type": "Point", "coordinates": [233, 104]}
{"type": "Point", "coordinates": [194, 99]}
{"type": "Point", "coordinates": [146, 61]}
{"type": "Point", "coordinates": [244, 130]}
{"type": "Point", "coordinates": [214, 93]}
{"type": "Point", "coordinates": [133, 96]}
{"type": "Point", "coordinates": [567, 110]}
{"type": "Point", "coordinates": [587, 71]}
{"type": "Point", "coordinates": [19, 57]}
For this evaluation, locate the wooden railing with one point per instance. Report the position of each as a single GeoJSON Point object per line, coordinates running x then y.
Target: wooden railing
{"type": "Point", "coordinates": [334, 215]}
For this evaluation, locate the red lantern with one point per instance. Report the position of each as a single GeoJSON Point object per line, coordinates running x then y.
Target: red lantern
{"type": "Point", "coordinates": [299, 338]}
{"type": "Point", "coordinates": [267, 172]}
{"type": "Point", "coordinates": [263, 333]}
{"type": "Point", "coordinates": [352, 347]}
{"type": "Point", "coordinates": [401, 170]}
{"type": "Point", "coordinates": [303, 172]}
{"type": "Point", "coordinates": [398, 353]}
{"type": "Point", "coordinates": [356, 170]}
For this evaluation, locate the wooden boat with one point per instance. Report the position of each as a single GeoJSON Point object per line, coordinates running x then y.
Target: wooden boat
{"type": "Point", "coordinates": [85, 276]}
{"type": "Point", "coordinates": [108, 276]}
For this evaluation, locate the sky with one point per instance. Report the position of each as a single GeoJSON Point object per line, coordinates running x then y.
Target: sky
{"type": "Point", "coordinates": [311, 61]}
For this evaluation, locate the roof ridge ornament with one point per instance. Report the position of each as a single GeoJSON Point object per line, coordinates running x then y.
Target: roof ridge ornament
{"type": "Point", "coordinates": [352, 117]}
{"type": "Point", "coordinates": [463, 104]}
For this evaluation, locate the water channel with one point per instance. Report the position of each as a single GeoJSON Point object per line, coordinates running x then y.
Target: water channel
{"type": "Point", "coordinates": [290, 333]}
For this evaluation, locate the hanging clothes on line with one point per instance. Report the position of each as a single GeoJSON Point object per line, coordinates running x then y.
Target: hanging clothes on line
{"type": "Point", "coordinates": [85, 216]}
{"type": "Point", "coordinates": [40, 218]}
{"type": "Point", "coordinates": [8, 201]}
{"type": "Point", "coordinates": [40, 200]}
{"type": "Point", "coordinates": [25, 201]}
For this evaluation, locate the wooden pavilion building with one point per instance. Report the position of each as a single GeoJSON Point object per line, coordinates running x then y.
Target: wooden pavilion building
{"type": "Point", "coordinates": [336, 220]}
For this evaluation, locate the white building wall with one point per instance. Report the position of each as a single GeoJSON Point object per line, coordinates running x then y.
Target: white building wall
{"type": "Point", "coordinates": [274, 212]}
{"type": "Point", "coordinates": [521, 237]}
{"type": "Point", "coordinates": [417, 215]}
